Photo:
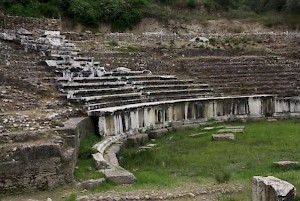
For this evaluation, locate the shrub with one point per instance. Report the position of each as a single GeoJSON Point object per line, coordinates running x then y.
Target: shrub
{"type": "Point", "coordinates": [84, 12]}
{"type": "Point", "coordinates": [192, 3]}
{"type": "Point", "coordinates": [71, 197]}
{"type": "Point", "coordinates": [222, 177]}
{"type": "Point", "coordinates": [113, 43]}
{"type": "Point", "coordinates": [208, 4]}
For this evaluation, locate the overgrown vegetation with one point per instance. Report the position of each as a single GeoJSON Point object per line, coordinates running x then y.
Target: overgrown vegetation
{"type": "Point", "coordinates": [124, 14]}
{"type": "Point", "coordinates": [179, 159]}
{"type": "Point", "coordinates": [71, 197]}
{"type": "Point", "coordinates": [85, 167]}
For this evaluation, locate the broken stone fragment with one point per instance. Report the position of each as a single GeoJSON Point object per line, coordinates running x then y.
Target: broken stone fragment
{"type": "Point", "coordinates": [223, 137]}
{"type": "Point", "coordinates": [92, 183]}
{"type": "Point", "coordinates": [231, 130]}
{"type": "Point", "coordinates": [272, 189]}
{"type": "Point", "coordinates": [155, 134]}
{"type": "Point", "coordinates": [286, 164]}
{"type": "Point", "coordinates": [119, 175]}
{"type": "Point", "coordinates": [137, 140]}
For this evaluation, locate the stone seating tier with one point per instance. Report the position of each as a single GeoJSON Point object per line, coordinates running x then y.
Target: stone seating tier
{"type": "Point", "coordinates": [96, 99]}
{"type": "Point", "coordinates": [145, 99]}
{"type": "Point", "coordinates": [118, 102]}
{"type": "Point", "coordinates": [80, 86]}
{"type": "Point", "coordinates": [102, 91]}
{"type": "Point", "coordinates": [115, 78]}
{"type": "Point", "coordinates": [153, 82]}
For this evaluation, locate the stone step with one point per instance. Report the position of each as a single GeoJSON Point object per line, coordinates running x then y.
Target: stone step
{"type": "Point", "coordinates": [178, 91]}
{"type": "Point", "coordinates": [130, 73]}
{"type": "Point", "coordinates": [149, 77]}
{"type": "Point", "coordinates": [225, 75]}
{"type": "Point", "coordinates": [153, 82]}
{"type": "Point", "coordinates": [181, 96]}
{"type": "Point", "coordinates": [172, 86]}
{"type": "Point", "coordinates": [88, 79]}
{"type": "Point", "coordinates": [249, 75]}
{"type": "Point", "coordinates": [79, 86]}
{"type": "Point", "coordinates": [102, 91]}
{"type": "Point", "coordinates": [106, 98]}
{"type": "Point", "coordinates": [113, 103]}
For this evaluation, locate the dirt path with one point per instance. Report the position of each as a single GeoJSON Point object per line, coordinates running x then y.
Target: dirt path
{"type": "Point", "coordinates": [193, 192]}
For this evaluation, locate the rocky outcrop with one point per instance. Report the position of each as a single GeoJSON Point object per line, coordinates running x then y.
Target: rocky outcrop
{"type": "Point", "coordinates": [272, 189]}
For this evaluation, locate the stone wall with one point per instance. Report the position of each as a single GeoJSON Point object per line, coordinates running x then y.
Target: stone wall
{"type": "Point", "coordinates": [118, 120]}
{"type": "Point", "coordinates": [41, 160]}
{"type": "Point", "coordinates": [29, 23]}
{"type": "Point", "coordinates": [155, 115]}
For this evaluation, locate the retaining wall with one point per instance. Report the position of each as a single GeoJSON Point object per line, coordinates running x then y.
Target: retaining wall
{"type": "Point", "coordinates": [117, 120]}
{"type": "Point", "coordinates": [41, 161]}
{"type": "Point", "coordinates": [29, 23]}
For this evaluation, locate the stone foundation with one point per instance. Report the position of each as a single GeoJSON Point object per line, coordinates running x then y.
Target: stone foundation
{"type": "Point", "coordinates": [41, 161]}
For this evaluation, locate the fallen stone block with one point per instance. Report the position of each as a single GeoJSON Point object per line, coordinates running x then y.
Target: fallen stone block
{"type": "Point", "coordinates": [272, 189]}
{"type": "Point", "coordinates": [155, 134]}
{"type": "Point", "coordinates": [100, 161]}
{"type": "Point", "coordinates": [149, 146]}
{"type": "Point", "coordinates": [137, 140]}
{"type": "Point", "coordinates": [92, 183]}
{"type": "Point", "coordinates": [223, 137]}
{"type": "Point", "coordinates": [197, 134]}
{"type": "Point", "coordinates": [185, 127]}
{"type": "Point", "coordinates": [119, 175]}
{"type": "Point", "coordinates": [287, 164]}
{"type": "Point", "coordinates": [234, 127]}
{"type": "Point", "coordinates": [231, 130]}
{"type": "Point", "coordinates": [208, 128]}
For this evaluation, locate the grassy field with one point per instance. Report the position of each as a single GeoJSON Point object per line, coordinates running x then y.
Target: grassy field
{"type": "Point", "coordinates": [180, 159]}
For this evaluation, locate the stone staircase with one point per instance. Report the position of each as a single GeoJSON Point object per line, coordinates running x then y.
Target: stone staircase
{"type": "Point", "coordinates": [82, 80]}
{"type": "Point", "coordinates": [249, 75]}
{"type": "Point", "coordinates": [87, 82]}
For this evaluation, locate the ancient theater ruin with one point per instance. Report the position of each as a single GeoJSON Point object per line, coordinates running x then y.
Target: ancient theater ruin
{"type": "Point", "coordinates": [122, 102]}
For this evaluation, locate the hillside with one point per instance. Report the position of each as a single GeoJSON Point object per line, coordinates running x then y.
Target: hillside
{"type": "Point", "coordinates": [121, 15]}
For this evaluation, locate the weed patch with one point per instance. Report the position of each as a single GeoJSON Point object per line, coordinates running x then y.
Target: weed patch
{"type": "Point", "coordinates": [85, 166]}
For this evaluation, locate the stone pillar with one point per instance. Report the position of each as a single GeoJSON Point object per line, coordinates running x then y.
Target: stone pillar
{"type": "Point", "coordinates": [272, 189]}
{"type": "Point", "coordinates": [255, 107]}
{"type": "Point", "coordinates": [102, 126]}
{"type": "Point", "coordinates": [186, 108]}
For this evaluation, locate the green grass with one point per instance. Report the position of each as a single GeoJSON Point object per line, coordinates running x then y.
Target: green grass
{"type": "Point", "coordinates": [71, 197]}
{"type": "Point", "coordinates": [85, 166]}
{"type": "Point", "coordinates": [185, 160]}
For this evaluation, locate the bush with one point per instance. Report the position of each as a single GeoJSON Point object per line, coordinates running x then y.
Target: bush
{"type": "Point", "coordinates": [84, 12]}
{"type": "Point", "coordinates": [192, 3]}
{"type": "Point", "coordinates": [122, 14]}
{"type": "Point", "coordinates": [222, 177]}
{"type": "Point", "coordinates": [208, 4]}
{"type": "Point", "coordinates": [113, 43]}
{"type": "Point", "coordinates": [71, 197]}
